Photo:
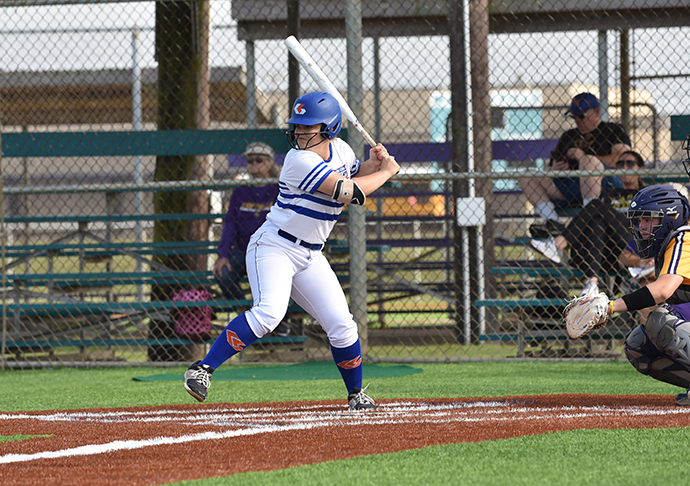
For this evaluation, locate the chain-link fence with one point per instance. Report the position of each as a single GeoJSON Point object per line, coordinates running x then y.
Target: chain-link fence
{"type": "Point", "coordinates": [124, 126]}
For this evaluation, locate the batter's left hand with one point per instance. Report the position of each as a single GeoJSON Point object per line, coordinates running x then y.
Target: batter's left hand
{"type": "Point", "coordinates": [377, 154]}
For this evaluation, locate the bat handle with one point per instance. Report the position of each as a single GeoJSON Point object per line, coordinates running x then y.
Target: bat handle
{"type": "Point", "coordinates": [367, 138]}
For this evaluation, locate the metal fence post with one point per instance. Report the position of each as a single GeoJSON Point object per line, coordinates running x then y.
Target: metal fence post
{"type": "Point", "coordinates": [3, 247]}
{"type": "Point", "coordinates": [357, 220]}
{"type": "Point", "coordinates": [137, 125]}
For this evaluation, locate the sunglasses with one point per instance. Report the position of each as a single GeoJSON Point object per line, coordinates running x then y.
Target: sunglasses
{"type": "Point", "coordinates": [255, 160]}
{"type": "Point", "coordinates": [628, 164]}
{"type": "Point", "coordinates": [577, 117]}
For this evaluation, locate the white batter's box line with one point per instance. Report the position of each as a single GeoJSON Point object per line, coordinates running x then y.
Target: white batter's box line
{"type": "Point", "coordinates": [304, 418]}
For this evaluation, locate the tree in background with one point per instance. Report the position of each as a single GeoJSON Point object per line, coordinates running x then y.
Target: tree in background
{"type": "Point", "coordinates": [182, 55]}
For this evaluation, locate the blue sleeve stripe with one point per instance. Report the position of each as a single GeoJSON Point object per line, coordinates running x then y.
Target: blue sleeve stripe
{"type": "Point", "coordinates": [313, 175]}
{"type": "Point", "coordinates": [318, 183]}
{"type": "Point", "coordinates": [309, 176]}
{"type": "Point", "coordinates": [319, 178]}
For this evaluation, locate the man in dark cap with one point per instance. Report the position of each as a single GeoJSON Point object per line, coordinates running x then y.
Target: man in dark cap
{"type": "Point", "coordinates": [592, 145]}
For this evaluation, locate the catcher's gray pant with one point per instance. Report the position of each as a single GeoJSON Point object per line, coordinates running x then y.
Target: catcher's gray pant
{"type": "Point", "coordinates": [661, 347]}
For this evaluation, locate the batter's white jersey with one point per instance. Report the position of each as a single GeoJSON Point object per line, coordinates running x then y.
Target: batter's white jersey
{"type": "Point", "coordinates": [300, 209]}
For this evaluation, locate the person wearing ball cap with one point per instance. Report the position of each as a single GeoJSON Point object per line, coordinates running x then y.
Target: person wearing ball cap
{"type": "Point", "coordinates": [592, 145]}
{"type": "Point", "coordinates": [321, 174]}
{"type": "Point", "coordinates": [247, 210]}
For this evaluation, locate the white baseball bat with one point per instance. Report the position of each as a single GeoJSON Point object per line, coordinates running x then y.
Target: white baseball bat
{"type": "Point", "coordinates": [325, 84]}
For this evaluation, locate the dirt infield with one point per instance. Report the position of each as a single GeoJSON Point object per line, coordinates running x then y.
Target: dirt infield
{"type": "Point", "coordinates": [156, 445]}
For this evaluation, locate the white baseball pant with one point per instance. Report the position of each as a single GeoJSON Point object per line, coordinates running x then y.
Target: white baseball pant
{"type": "Point", "coordinates": [279, 269]}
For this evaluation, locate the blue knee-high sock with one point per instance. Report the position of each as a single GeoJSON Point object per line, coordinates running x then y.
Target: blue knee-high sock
{"type": "Point", "coordinates": [236, 336]}
{"type": "Point", "coordinates": [349, 361]}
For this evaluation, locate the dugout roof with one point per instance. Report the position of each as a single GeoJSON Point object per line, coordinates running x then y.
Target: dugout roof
{"type": "Point", "coordinates": [267, 19]}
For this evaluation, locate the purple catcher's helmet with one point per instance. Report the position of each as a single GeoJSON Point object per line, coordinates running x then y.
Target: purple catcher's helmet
{"type": "Point", "coordinates": [312, 109]}
{"type": "Point", "coordinates": [658, 201]}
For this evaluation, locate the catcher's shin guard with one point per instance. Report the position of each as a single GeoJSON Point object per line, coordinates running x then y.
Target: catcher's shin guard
{"type": "Point", "coordinates": [670, 334]}
{"type": "Point", "coordinates": [649, 360]}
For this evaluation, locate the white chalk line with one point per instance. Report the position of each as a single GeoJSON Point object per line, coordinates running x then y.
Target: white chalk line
{"type": "Point", "coordinates": [260, 420]}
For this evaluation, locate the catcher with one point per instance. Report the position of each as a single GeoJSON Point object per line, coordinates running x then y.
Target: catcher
{"type": "Point", "coordinates": [659, 348]}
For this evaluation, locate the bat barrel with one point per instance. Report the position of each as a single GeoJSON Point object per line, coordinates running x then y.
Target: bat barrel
{"type": "Point", "coordinates": [325, 84]}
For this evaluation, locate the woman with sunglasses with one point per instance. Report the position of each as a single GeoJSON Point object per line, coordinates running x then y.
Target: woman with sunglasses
{"type": "Point", "coordinates": [247, 210]}
{"type": "Point", "coordinates": [598, 234]}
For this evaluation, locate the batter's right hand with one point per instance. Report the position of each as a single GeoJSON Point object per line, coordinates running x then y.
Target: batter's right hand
{"type": "Point", "coordinates": [389, 164]}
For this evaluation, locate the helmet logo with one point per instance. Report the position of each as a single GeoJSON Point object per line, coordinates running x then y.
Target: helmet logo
{"type": "Point", "coordinates": [299, 109]}
{"type": "Point", "coordinates": [633, 204]}
{"type": "Point", "coordinates": [671, 210]}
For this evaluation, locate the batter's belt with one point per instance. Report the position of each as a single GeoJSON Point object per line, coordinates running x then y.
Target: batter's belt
{"type": "Point", "coordinates": [311, 246]}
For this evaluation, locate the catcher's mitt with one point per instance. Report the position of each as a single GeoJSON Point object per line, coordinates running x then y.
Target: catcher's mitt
{"type": "Point", "coordinates": [585, 314]}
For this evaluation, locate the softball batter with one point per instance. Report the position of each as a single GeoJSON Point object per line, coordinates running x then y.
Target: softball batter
{"type": "Point", "coordinates": [320, 175]}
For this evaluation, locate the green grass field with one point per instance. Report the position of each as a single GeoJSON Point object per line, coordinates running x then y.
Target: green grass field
{"type": "Point", "coordinates": [584, 457]}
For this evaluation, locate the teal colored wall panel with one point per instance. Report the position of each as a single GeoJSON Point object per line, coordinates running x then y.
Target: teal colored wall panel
{"type": "Point", "coordinates": [680, 127]}
{"type": "Point", "coordinates": [159, 142]}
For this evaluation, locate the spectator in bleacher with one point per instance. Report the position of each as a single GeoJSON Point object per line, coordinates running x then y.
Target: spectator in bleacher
{"type": "Point", "coordinates": [599, 233]}
{"type": "Point", "coordinates": [592, 145]}
{"type": "Point", "coordinates": [247, 211]}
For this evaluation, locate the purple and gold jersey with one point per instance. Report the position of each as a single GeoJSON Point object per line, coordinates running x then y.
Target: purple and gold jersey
{"type": "Point", "coordinates": [677, 257]}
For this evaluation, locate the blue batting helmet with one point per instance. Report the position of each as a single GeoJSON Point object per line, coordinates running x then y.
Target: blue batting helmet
{"type": "Point", "coordinates": [659, 201]}
{"type": "Point", "coordinates": [318, 107]}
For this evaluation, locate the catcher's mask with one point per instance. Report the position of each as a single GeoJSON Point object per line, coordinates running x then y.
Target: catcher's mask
{"type": "Point", "coordinates": [659, 201]}
{"type": "Point", "coordinates": [314, 109]}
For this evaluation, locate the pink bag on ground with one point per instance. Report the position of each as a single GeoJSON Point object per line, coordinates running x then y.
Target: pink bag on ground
{"type": "Point", "coordinates": [193, 323]}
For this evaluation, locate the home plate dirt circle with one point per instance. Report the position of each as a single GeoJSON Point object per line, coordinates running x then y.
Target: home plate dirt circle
{"type": "Point", "coordinates": [172, 443]}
